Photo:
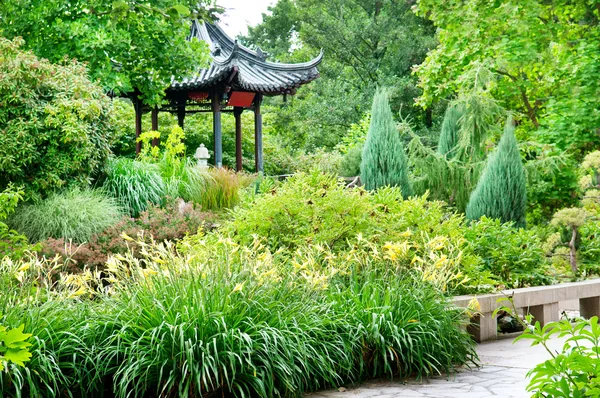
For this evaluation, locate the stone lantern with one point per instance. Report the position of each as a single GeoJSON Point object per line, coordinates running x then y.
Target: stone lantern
{"type": "Point", "coordinates": [202, 156]}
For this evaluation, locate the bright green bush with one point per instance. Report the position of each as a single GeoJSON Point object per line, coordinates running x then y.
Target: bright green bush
{"type": "Point", "coordinates": [12, 243]}
{"type": "Point", "coordinates": [501, 191]}
{"type": "Point", "coordinates": [55, 124]}
{"type": "Point", "coordinates": [383, 161]}
{"type": "Point", "coordinates": [316, 209]}
{"type": "Point", "coordinates": [75, 214]}
{"type": "Point", "coordinates": [134, 184]}
{"type": "Point", "coordinates": [515, 256]}
{"type": "Point", "coordinates": [243, 320]}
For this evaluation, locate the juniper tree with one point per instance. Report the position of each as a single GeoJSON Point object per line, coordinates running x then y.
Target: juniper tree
{"type": "Point", "coordinates": [449, 134]}
{"type": "Point", "coordinates": [501, 191]}
{"type": "Point", "coordinates": [384, 161]}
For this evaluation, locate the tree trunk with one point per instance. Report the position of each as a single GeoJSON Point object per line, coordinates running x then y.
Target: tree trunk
{"type": "Point", "coordinates": [573, 255]}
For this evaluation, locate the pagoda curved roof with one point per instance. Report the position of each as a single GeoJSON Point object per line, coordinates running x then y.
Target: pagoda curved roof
{"type": "Point", "coordinates": [242, 68]}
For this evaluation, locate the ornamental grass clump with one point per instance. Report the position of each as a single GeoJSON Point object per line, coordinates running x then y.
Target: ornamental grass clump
{"type": "Point", "coordinates": [135, 184]}
{"type": "Point", "coordinates": [75, 214]}
{"type": "Point", "coordinates": [502, 188]}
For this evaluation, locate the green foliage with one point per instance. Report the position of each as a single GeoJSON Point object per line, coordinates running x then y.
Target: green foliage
{"type": "Point", "coordinates": [12, 243]}
{"type": "Point", "coordinates": [515, 256]}
{"type": "Point", "coordinates": [450, 131]}
{"type": "Point", "coordinates": [75, 214]}
{"type": "Point", "coordinates": [350, 165]}
{"type": "Point", "coordinates": [134, 184]}
{"type": "Point", "coordinates": [317, 209]}
{"type": "Point", "coordinates": [269, 325]}
{"type": "Point", "coordinates": [55, 124]}
{"type": "Point", "coordinates": [574, 371]}
{"type": "Point", "coordinates": [366, 44]}
{"type": "Point", "coordinates": [544, 55]}
{"type": "Point", "coordinates": [172, 223]}
{"type": "Point", "coordinates": [13, 346]}
{"type": "Point", "coordinates": [127, 45]}
{"type": "Point", "coordinates": [501, 191]}
{"type": "Point", "coordinates": [384, 161]}
{"type": "Point", "coordinates": [473, 122]}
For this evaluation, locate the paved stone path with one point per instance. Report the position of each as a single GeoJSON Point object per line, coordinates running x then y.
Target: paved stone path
{"type": "Point", "coordinates": [504, 366]}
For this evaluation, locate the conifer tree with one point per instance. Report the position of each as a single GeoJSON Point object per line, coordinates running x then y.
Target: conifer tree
{"type": "Point", "coordinates": [384, 161]}
{"type": "Point", "coordinates": [449, 134]}
{"type": "Point", "coordinates": [501, 191]}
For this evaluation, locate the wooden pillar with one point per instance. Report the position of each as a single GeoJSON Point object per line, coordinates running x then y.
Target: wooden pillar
{"type": "Point", "coordinates": [237, 112]}
{"type": "Point", "coordinates": [258, 144]}
{"type": "Point", "coordinates": [137, 104]}
{"type": "Point", "coordinates": [181, 113]}
{"type": "Point", "coordinates": [154, 125]}
{"type": "Point", "coordinates": [217, 133]}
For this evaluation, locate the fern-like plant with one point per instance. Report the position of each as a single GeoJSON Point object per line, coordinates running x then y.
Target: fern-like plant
{"type": "Point", "coordinates": [384, 162]}
{"type": "Point", "coordinates": [502, 189]}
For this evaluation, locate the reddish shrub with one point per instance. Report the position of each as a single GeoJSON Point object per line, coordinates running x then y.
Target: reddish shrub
{"type": "Point", "coordinates": [171, 223]}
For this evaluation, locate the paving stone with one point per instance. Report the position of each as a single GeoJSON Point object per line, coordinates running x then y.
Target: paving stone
{"type": "Point", "coordinates": [503, 374]}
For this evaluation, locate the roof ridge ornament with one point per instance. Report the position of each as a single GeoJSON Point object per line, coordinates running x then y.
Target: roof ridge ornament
{"type": "Point", "coordinates": [262, 55]}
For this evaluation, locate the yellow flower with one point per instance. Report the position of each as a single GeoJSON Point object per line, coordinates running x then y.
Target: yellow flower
{"type": "Point", "coordinates": [126, 237]}
{"type": "Point", "coordinates": [24, 267]}
{"type": "Point", "coordinates": [238, 287]}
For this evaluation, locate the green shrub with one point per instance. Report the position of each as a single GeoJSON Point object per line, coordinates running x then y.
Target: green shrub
{"type": "Point", "coordinates": [12, 243]}
{"type": "Point", "coordinates": [55, 124]}
{"type": "Point", "coordinates": [350, 165]}
{"type": "Point", "coordinates": [75, 214]}
{"type": "Point", "coordinates": [515, 256]}
{"type": "Point", "coordinates": [172, 223]}
{"type": "Point", "coordinates": [316, 209]}
{"type": "Point", "coordinates": [383, 161]}
{"type": "Point", "coordinates": [501, 191]}
{"type": "Point", "coordinates": [134, 184]}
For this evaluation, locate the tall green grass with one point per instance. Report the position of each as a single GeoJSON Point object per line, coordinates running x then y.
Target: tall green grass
{"type": "Point", "coordinates": [134, 184]}
{"type": "Point", "coordinates": [75, 214]}
{"type": "Point", "coordinates": [216, 318]}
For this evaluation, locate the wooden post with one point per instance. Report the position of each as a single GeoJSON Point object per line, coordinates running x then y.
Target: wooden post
{"type": "Point", "coordinates": [154, 125]}
{"type": "Point", "coordinates": [237, 113]}
{"type": "Point", "coordinates": [217, 133]}
{"type": "Point", "coordinates": [137, 104]}
{"type": "Point", "coordinates": [258, 147]}
{"type": "Point", "coordinates": [181, 114]}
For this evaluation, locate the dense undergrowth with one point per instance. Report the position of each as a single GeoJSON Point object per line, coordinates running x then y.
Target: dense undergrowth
{"type": "Point", "coordinates": [219, 318]}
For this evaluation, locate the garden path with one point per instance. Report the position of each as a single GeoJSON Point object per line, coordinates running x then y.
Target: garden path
{"type": "Point", "coordinates": [502, 374]}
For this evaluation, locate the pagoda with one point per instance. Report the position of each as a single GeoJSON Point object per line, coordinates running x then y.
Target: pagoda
{"type": "Point", "coordinates": [237, 79]}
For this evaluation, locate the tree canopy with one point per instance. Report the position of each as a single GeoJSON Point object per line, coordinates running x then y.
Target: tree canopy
{"type": "Point", "coordinates": [366, 44]}
{"type": "Point", "coordinates": [545, 55]}
{"type": "Point", "coordinates": [129, 46]}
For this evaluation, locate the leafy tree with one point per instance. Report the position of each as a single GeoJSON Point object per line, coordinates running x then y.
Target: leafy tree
{"type": "Point", "coordinates": [277, 31]}
{"type": "Point", "coordinates": [502, 189]}
{"type": "Point", "coordinates": [55, 124]}
{"type": "Point", "coordinates": [384, 161]}
{"type": "Point", "coordinates": [545, 56]}
{"type": "Point", "coordinates": [366, 44]}
{"type": "Point", "coordinates": [130, 46]}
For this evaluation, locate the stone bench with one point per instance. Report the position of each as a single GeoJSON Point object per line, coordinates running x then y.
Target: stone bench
{"type": "Point", "coordinates": [541, 302]}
